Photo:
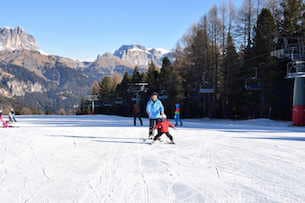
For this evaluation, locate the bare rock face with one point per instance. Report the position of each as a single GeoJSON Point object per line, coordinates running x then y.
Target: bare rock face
{"type": "Point", "coordinates": [138, 55]}
{"type": "Point", "coordinates": [16, 38]}
{"type": "Point", "coordinates": [12, 86]}
{"type": "Point", "coordinates": [108, 60]}
{"type": "Point", "coordinates": [20, 88]}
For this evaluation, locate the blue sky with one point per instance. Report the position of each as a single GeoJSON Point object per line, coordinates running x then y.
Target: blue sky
{"type": "Point", "coordinates": [83, 29]}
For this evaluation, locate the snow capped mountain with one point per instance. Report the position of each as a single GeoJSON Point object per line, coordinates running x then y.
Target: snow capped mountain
{"type": "Point", "coordinates": [140, 56]}
{"type": "Point", "coordinates": [16, 38]}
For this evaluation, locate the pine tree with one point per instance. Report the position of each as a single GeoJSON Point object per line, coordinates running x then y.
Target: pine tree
{"type": "Point", "coordinates": [95, 89]}
{"type": "Point", "coordinates": [164, 72]}
{"type": "Point", "coordinates": [166, 62]}
{"type": "Point", "coordinates": [232, 80]}
{"type": "Point", "coordinates": [123, 86]}
{"type": "Point", "coordinates": [171, 84]}
{"type": "Point", "coordinates": [136, 76]}
{"type": "Point", "coordinates": [106, 86]}
{"type": "Point", "coordinates": [152, 77]}
{"type": "Point", "coordinates": [264, 33]}
{"type": "Point", "coordinates": [293, 18]}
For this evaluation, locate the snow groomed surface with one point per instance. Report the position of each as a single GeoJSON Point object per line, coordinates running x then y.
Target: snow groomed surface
{"type": "Point", "coordinates": [103, 159]}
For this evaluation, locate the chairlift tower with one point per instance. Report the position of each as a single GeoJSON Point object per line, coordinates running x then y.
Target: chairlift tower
{"type": "Point", "coordinates": [296, 71]}
{"type": "Point", "coordinates": [293, 48]}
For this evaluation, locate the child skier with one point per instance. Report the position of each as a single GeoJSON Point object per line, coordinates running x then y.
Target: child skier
{"type": "Point", "coordinates": [162, 127]}
{"type": "Point", "coordinates": [5, 124]}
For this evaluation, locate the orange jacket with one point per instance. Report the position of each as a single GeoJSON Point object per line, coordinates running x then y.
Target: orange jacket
{"type": "Point", "coordinates": [164, 125]}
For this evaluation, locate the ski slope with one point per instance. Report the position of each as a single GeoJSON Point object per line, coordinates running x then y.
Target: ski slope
{"type": "Point", "coordinates": [103, 159]}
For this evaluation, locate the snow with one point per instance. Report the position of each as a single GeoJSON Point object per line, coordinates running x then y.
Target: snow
{"type": "Point", "coordinates": [43, 52]}
{"type": "Point", "coordinates": [103, 159]}
{"type": "Point", "coordinates": [163, 51]}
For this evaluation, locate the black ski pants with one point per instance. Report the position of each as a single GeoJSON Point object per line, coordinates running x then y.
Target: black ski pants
{"type": "Point", "coordinates": [160, 134]}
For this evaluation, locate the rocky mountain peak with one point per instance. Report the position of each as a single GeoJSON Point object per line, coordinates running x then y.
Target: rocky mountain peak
{"type": "Point", "coordinates": [138, 55]}
{"type": "Point", "coordinates": [16, 39]}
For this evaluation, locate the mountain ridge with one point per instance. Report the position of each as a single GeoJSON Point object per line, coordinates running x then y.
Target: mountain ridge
{"type": "Point", "coordinates": [51, 82]}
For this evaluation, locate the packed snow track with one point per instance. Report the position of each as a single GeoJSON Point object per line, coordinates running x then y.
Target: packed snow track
{"type": "Point", "coordinates": [104, 159]}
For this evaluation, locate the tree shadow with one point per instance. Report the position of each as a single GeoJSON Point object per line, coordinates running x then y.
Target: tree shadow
{"type": "Point", "coordinates": [236, 126]}
{"type": "Point", "coordinates": [103, 121]}
{"type": "Point", "coordinates": [116, 140]}
{"type": "Point", "coordinates": [94, 137]}
{"type": "Point", "coordinates": [302, 139]}
{"type": "Point", "coordinates": [122, 142]}
{"type": "Point", "coordinates": [77, 121]}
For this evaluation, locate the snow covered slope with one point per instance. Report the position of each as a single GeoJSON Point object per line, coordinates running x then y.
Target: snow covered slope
{"type": "Point", "coordinates": [102, 159]}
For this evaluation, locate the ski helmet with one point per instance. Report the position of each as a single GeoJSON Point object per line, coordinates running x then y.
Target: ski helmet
{"type": "Point", "coordinates": [163, 117]}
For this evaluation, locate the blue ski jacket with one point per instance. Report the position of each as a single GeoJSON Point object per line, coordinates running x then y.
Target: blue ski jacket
{"type": "Point", "coordinates": [154, 109]}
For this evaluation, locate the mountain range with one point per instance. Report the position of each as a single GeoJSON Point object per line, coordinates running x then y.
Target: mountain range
{"type": "Point", "coordinates": [38, 80]}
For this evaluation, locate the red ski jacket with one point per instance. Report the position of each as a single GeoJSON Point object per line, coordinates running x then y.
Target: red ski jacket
{"type": "Point", "coordinates": [5, 124]}
{"type": "Point", "coordinates": [164, 125]}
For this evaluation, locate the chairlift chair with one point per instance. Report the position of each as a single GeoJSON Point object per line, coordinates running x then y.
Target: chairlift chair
{"type": "Point", "coordinates": [253, 83]}
{"type": "Point", "coordinates": [205, 86]}
{"type": "Point", "coordinates": [296, 69]}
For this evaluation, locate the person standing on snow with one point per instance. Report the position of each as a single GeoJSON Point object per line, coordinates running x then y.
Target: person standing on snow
{"type": "Point", "coordinates": [136, 112]}
{"type": "Point", "coordinates": [155, 110]}
{"type": "Point", "coordinates": [178, 119]}
{"type": "Point", "coordinates": [12, 116]}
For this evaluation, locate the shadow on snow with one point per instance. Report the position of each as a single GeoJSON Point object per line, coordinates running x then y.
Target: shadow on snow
{"type": "Point", "coordinates": [263, 125]}
{"type": "Point", "coordinates": [275, 138]}
{"type": "Point", "coordinates": [116, 140]}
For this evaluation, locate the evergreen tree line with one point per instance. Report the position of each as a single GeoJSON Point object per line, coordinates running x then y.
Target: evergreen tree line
{"type": "Point", "coordinates": [111, 89]}
{"type": "Point", "coordinates": [223, 65]}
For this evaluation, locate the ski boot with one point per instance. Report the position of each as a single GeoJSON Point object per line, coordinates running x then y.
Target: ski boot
{"type": "Point", "coordinates": [172, 142]}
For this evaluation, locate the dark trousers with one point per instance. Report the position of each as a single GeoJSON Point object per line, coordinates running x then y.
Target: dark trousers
{"type": "Point", "coordinates": [135, 120]}
{"type": "Point", "coordinates": [160, 134]}
{"type": "Point", "coordinates": [152, 125]}
{"type": "Point", "coordinates": [12, 118]}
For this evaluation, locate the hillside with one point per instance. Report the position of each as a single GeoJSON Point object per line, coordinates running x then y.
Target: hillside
{"type": "Point", "coordinates": [32, 78]}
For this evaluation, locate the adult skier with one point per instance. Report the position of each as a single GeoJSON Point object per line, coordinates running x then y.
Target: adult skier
{"type": "Point", "coordinates": [154, 111]}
